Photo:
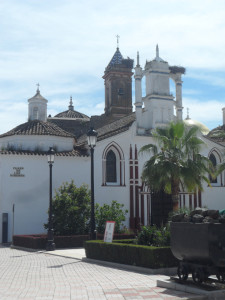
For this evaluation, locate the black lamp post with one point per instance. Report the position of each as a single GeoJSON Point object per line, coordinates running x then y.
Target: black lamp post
{"type": "Point", "coordinates": [92, 139]}
{"type": "Point", "coordinates": [50, 243]}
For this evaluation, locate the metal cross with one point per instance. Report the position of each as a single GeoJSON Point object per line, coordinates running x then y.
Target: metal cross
{"type": "Point", "coordinates": [117, 36]}
{"type": "Point", "coordinates": [37, 86]}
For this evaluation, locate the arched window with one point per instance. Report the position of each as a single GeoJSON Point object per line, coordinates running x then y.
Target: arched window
{"type": "Point", "coordinates": [111, 167]}
{"type": "Point", "coordinates": [214, 163]}
{"type": "Point", "coordinates": [35, 113]}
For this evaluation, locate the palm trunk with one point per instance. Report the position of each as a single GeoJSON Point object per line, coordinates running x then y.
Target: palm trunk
{"type": "Point", "coordinates": [175, 194]}
{"type": "Point", "coordinates": [175, 201]}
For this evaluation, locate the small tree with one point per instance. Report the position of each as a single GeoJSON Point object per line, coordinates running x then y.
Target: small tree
{"type": "Point", "coordinates": [71, 210]}
{"type": "Point", "coordinates": [176, 161]}
{"type": "Point", "coordinates": [113, 212]}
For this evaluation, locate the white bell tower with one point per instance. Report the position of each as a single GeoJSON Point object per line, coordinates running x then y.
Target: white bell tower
{"type": "Point", "coordinates": [156, 108]}
{"type": "Point", "coordinates": [37, 107]}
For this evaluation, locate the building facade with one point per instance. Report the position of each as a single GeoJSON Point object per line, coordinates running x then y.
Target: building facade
{"type": "Point", "coordinates": [24, 171]}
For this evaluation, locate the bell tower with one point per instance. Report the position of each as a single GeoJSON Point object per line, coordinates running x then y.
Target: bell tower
{"type": "Point", "coordinates": [37, 107]}
{"type": "Point", "coordinates": [118, 85]}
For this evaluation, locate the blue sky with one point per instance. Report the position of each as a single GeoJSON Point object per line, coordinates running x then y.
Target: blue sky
{"type": "Point", "coordinates": [66, 45]}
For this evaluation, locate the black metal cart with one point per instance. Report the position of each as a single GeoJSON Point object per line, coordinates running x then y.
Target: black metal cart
{"type": "Point", "coordinates": [200, 249]}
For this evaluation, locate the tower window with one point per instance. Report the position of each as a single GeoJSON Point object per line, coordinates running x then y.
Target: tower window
{"type": "Point", "coordinates": [111, 167]}
{"type": "Point", "coordinates": [35, 113]}
{"type": "Point", "coordinates": [121, 91]}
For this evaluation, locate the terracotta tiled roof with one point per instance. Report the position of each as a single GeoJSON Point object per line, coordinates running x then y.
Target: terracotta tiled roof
{"type": "Point", "coordinates": [37, 128]}
{"type": "Point", "coordinates": [75, 127]}
{"type": "Point", "coordinates": [72, 114]}
{"type": "Point", "coordinates": [217, 135]}
{"type": "Point", "coordinates": [76, 152]}
{"type": "Point", "coordinates": [79, 127]}
{"type": "Point", "coordinates": [112, 129]}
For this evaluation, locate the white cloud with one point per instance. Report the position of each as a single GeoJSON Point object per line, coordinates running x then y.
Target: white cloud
{"type": "Point", "coordinates": [66, 45]}
{"type": "Point", "coordinates": [209, 112]}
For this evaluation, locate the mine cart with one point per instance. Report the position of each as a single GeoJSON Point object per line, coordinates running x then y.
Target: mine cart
{"type": "Point", "coordinates": [200, 249]}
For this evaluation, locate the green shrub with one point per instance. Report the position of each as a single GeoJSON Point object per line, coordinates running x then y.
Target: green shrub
{"type": "Point", "coordinates": [182, 210]}
{"type": "Point", "coordinates": [71, 210]}
{"type": "Point", "coordinates": [113, 212]}
{"type": "Point", "coordinates": [130, 254]}
{"type": "Point", "coordinates": [125, 241]}
{"type": "Point", "coordinates": [153, 236]}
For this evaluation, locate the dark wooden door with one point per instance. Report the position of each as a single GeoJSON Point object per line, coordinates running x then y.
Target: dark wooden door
{"type": "Point", "coordinates": [161, 205]}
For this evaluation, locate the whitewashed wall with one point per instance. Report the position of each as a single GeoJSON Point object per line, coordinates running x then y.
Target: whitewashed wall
{"type": "Point", "coordinates": [36, 142]}
{"type": "Point", "coordinates": [30, 193]}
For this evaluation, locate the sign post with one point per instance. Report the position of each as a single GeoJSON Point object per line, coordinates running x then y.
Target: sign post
{"type": "Point", "coordinates": [109, 231]}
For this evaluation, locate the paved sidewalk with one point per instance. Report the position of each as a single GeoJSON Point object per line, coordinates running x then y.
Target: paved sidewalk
{"type": "Point", "coordinates": [42, 276]}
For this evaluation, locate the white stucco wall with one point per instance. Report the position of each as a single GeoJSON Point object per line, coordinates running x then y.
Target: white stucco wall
{"type": "Point", "coordinates": [30, 193]}
{"type": "Point", "coordinates": [36, 142]}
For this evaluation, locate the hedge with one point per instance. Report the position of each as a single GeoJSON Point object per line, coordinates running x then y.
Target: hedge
{"type": "Point", "coordinates": [137, 255]}
{"type": "Point", "coordinates": [38, 241]}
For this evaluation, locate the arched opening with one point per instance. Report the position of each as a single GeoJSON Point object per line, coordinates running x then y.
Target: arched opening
{"type": "Point", "coordinates": [215, 158]}
{"type": "Point", "coordinates": [35, 113]}
{"type": "Point", "coordinates": [214, 163]}
{"type": "Point", "coordinates": [111, 167]}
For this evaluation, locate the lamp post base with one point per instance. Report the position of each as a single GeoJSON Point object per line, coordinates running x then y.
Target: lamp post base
{"type": "Point", "coordinates": [50, 241]}
{"type": "Point", "coordinates": [93, 235]}
{"type": "Point", "coordinates": [50, 246]}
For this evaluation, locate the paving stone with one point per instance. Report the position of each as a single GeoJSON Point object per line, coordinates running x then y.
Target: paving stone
{"type": "Point", "coordinates": [43, 276]}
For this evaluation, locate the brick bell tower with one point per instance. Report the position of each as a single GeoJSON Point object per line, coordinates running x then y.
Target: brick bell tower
{"type": "Point", "coordinates": [118, 85]}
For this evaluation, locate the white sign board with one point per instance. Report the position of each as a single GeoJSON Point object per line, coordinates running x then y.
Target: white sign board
{"type": "Point", "coordinates": [109, 231]}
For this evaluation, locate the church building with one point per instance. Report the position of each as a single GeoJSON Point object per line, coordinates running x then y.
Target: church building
{"type": "Point", "coordinates": [122, 129]}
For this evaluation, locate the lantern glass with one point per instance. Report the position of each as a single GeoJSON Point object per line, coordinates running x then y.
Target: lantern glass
{"type": "Point", "coordinates": [51, 155]}
{"type": "Point", "coordinates": [92, 138]}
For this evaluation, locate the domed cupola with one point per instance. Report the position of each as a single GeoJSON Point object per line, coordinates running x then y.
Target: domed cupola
{"type": "Point", "coordinates": [37, 107]}
{"type": "Point", "coordinates": [189, 122]}
{"type": "Point", "coordinates": [71, 113]}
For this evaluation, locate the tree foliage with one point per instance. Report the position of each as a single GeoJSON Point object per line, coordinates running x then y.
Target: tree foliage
{"type": "Point", "coordinates": [113, 212]}
{"type": "Point", "coordinates": [176, 162]}
{"type": "Point", "coordinates": [153, 236]}
{"type": "Point", "coordinates": [71, 209]}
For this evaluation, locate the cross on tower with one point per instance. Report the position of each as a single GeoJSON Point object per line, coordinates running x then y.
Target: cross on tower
{"type": "Point", "coordinates": [188, 113]}
{"type": "Point", "coordinates": [117, 36]}
{"type": "Point", "coordinates": [38, 87]}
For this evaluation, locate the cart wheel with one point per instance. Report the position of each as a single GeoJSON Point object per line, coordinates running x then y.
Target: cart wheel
{"type": "Point", "coordinates": [221, 277]}
{"type": "Point", "coordinates": [198, 275]}
{"type": "Point", "coordinates": [182, 272]}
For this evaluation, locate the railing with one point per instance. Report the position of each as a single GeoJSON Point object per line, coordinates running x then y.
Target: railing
{"type": "Point", "coordinates": [190, 200]}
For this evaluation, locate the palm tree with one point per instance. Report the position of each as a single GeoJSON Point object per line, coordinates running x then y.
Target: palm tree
{"type": "Point", "coordinates": [176, 161]}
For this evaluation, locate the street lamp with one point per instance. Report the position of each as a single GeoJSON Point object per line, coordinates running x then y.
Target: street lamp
{"type": "Point", "coordinates": [92, 139]}
{"type": "Point", "coordinates": [50, 243]}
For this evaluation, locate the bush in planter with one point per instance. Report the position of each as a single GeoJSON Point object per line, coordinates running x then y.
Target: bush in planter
{"type": "Point", "coordinates": [113, 212]}
{"type": "Point", "coordinates": [71, 210]}
{"type": "Point", "coordinates": [153, 236]}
